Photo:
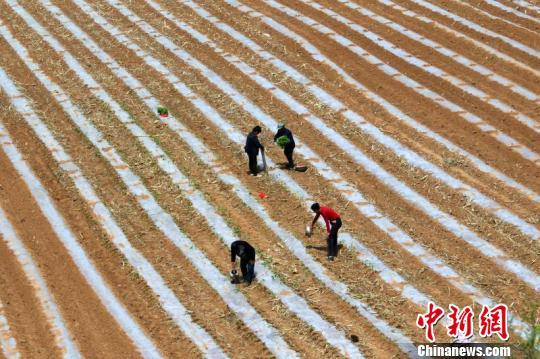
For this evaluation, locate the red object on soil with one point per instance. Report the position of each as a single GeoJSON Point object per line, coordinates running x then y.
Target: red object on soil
{"type": "Point", "coordinates": [163, 115]}
{"type": "Point", "coordinates": [262, 195]}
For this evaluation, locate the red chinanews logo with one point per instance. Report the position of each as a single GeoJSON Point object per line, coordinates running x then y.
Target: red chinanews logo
{"type": "Point", "coordinates": [429, 320]}
{"type": "Point", "coordinates": [492, 320]}
{"type": "Point", "coordinates": [461, 322]}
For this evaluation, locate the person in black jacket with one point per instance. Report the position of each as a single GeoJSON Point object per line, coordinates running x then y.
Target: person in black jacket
{"type": "Point", "coordinates": [252, 149]}
{"type": "Point", "coordinates": [246, 253]}
{"type": "Point", "coordinates": [289, 147]}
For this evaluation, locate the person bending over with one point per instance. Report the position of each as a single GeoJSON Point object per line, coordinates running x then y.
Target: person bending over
{"type": "Point", "coordinates": [246, 253]}
{"type": "Point", "coordinates": [285, 139]}
{"type": "Point", "coordinates": [333, 224]}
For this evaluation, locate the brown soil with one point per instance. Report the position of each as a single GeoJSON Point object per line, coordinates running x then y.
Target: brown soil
{"type": "Point", "coordinates": [494, 42]}
{"type": "Point", "coordinates": [167, 248]}
{"type": "Point", "coordinates": [159, 188]}
{"type": "Point", "coordinates": [230, 108]}
{"type": "Point", "coordinates": [373, 113]}
{"type": "Point", "coordinates": [383, 156]}
{"type": "Point", "coordinates": [528, 38]}
{"type": "Point", "coordinates": [446, 63]}
{"type": "Point", "coordinates": [466, 48]}
{"type": "Point", "coordinates": [95, 330]}
{"type": "Point", "coordinates": [532, 26]}
{"type": "Point", "coordinates": [87, 319]}
{"type": "Point", "coordinates": [348, 59]}
{"type": "Point", "coordinates": [22, 309]}
{"type": "Point", "coordinates": [130, 218]}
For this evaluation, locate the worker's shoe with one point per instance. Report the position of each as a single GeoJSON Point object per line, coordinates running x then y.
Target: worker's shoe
{"type": "Point", "coordinates": [331, 258]}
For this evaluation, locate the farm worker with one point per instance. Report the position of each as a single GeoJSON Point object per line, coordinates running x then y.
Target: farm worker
{"type": "Point", "coordinates": [284, 138]}
{"type": "Point", "coordinates": [246, 253]}
{"type": "Point", "coordinates": [252, 149]}
{"type": "Point", "coordinates": [333, 224]}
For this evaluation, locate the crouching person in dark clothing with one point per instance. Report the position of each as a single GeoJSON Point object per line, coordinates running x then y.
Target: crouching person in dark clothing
{"type": "Point", "coordinates": [288, 141]}
{"type": "Point", "coordinates": [246, 253]}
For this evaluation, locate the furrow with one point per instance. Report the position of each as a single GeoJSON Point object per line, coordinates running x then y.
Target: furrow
{"type": "Point", "coordinates": [210, 113]}
{"type": "Point", "coordinates": [411, 157]}
{"type": "Point", "coordinates": [482, 70]}
{"type": "Point", "coordinates": [527, 5]}
{"type": "Point", "coordinates": [509, 10]}
{"type": "Point", "coordinates": [293, 301]}
{"type": "Point", "coordinates": [475, 27]}
{"type": "Point", "coordinates": [429, 68]}
{"type": "Point", "coordinates": [242, 192]}
{"type": "Point", "coordinates": [63, 338]}
{"type": "Point", "coordinates": [101, 213]}
{"type": "Point", "coordinates": [8, 343]}
{"type": "Point", "coordinates": [292, 73]}
{"type": "Point", "coordinates": [60, 227]}
{"type": "Point", "coordinates": [364, 254]}
{"type": "Point", "coordinates": [195, 196]}
{"type": "Point", "coordinates": [448, 30]}
{"type": "Point", "coordinates": [502, 137]}
{"type": "Point", "coordinates": [497, 18]}
{"type": "Point", "coordinates": [445, 220]}
{"type": "Point", "coordinates": [236, 301]}
{"type": "Point", "coordinates": [213, 83]}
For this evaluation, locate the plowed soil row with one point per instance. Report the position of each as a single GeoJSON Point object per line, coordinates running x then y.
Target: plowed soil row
{"type": "Point", "coordinates": [466, 48]}
{"type": "Point", "coordinates": [96, 332]}
{"type": "Point", "coordinates": [429, 55]}
{"type": "Point", "coordinates": [185, 215]}
{"type": "Point", "coordinates": [86, 318]}
{"type": "Point", "coordinates": [190, 288]}
{"type": "Point", "coordinates": [129, 147]}
{"type": "Point", "coordinates": [520, 34]}
{"type": "Point", "coordinates": [530, 10]}
{"type": "Point", "coordinates": [22, 310]}
{"type": "Point", "coordinates": [163, 54]}
{"type": "Point", "coordinates": [231, 109]}
{"type": "Point", "coordinates": [491, 41]}
{"type": "Point", "coordinates": [328, 80]}
{"type": "Point", "coordinates": [474, 105]}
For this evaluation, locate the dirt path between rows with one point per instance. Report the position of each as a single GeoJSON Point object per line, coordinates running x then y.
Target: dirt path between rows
{"type": "Point", "coordinates": [22, 309]}
{"type": "Point", "coordinates": [230, 109]}
{"type": "Point", "coordinates": [495, 152]}
{"type": "Point", "coordinates": [94, 330]}
{"type": "Point", "coordinates": [494, 42]}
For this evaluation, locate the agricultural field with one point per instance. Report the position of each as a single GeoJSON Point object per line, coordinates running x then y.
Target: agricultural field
{"type": "Point", "coordinates": [419, 122]}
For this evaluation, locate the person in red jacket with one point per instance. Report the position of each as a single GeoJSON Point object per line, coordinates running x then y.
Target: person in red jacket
{"type": "Point", "coordinates": [333, 224]}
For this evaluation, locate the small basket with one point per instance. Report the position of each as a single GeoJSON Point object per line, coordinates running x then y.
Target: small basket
{"type": "Point", "coordinates": [235, 278]}
{"type": "Point", "coordinates": [162, 111]}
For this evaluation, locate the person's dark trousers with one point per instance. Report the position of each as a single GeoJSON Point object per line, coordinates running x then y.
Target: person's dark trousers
{"type": "Point", "coordinates": [248, 270]}
{"type": "Point", "coordinates": [288, 153]}
{"type": "Point", "coordinates": [252, 163]}
{"type": "Point", "coordinates": [333, 237]}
